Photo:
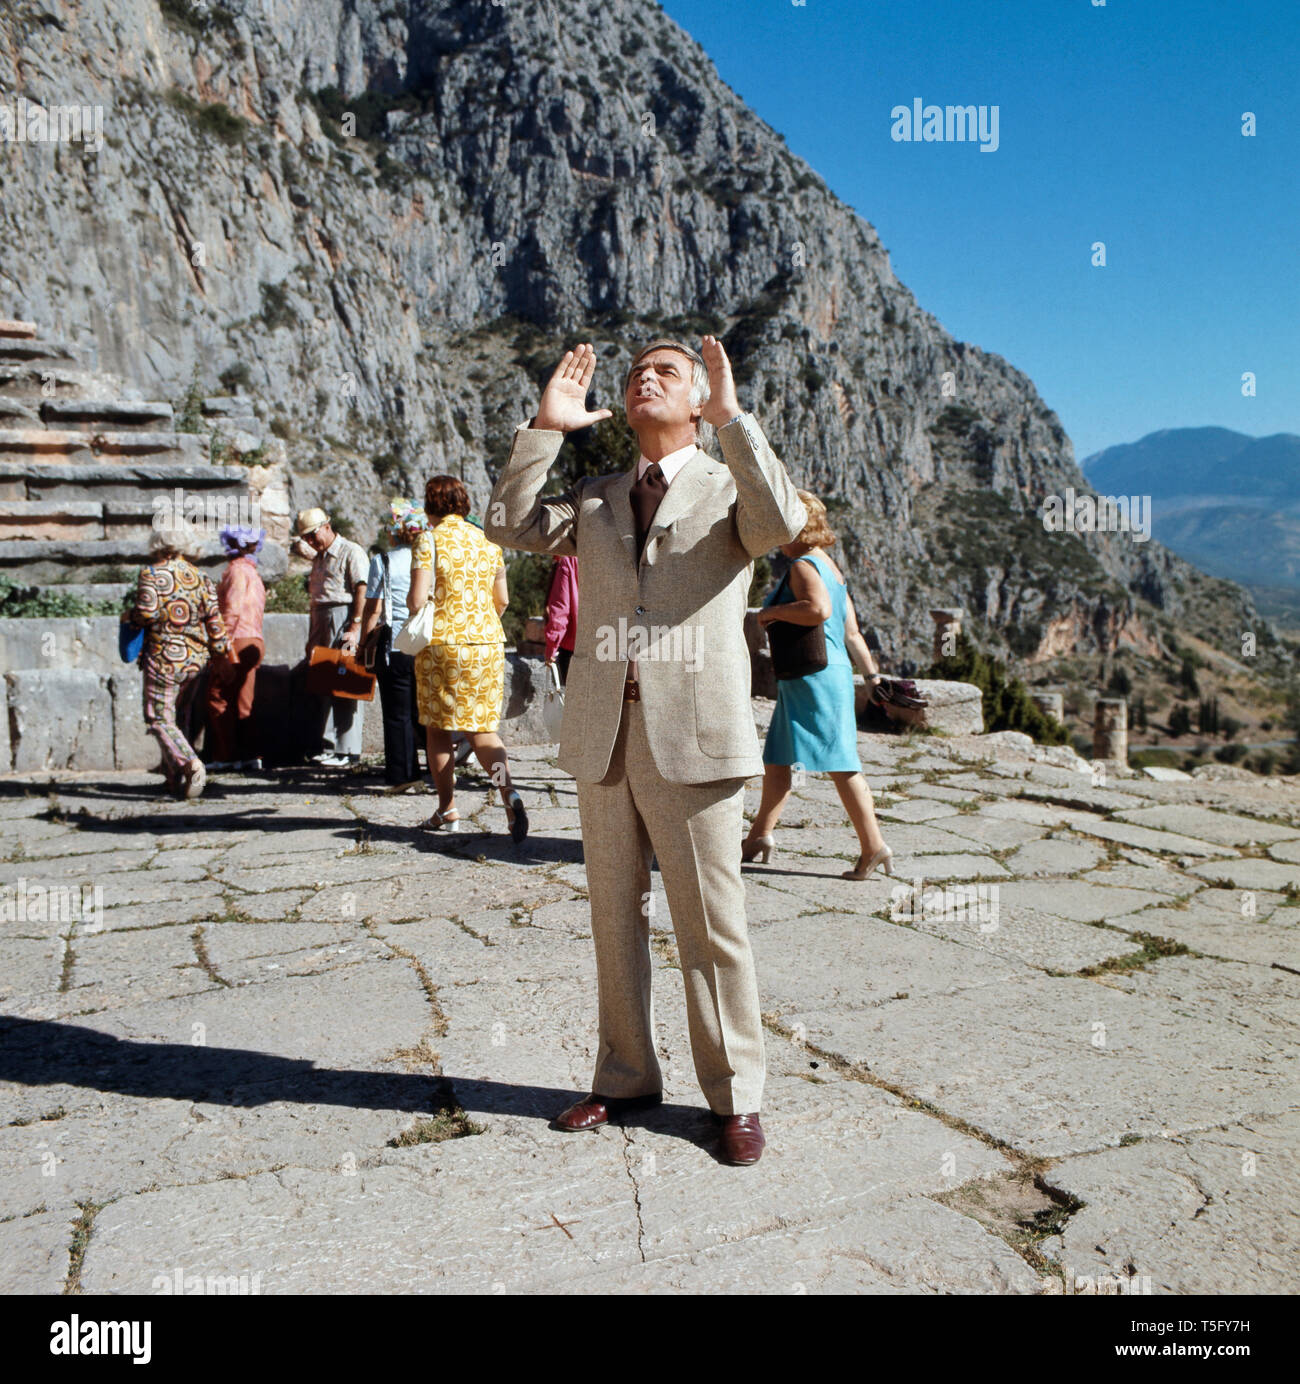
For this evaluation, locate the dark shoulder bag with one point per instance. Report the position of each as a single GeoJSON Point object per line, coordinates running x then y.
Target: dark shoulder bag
{"type": "Point", "coordinates": [797, 650]}
{"type": "Point", "coordinates": [376, 655]}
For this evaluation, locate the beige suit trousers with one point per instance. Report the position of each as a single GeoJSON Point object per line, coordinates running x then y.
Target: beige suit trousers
{"type": "Point", "coordinates": [694, 831]}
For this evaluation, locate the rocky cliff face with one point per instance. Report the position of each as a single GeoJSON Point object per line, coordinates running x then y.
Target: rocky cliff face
{"type": "Point", "coordinates": [385, 218]}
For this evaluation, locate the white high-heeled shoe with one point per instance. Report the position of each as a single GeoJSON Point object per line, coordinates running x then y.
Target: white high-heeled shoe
{"type": "Point", "coordinates": [449, 819]}
{"type": "Point", "coordinates": [761, 848]}
{"type": "Point", "coordinates": [862, 870]}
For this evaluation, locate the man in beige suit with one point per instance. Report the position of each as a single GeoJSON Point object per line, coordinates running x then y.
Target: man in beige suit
{"type": "Point", "coordinates": [658, 727]}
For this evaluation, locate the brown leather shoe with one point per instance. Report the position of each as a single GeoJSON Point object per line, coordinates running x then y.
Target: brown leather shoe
{"type": "Point", "coordinates": [593, 1111]}
{"type": "Point", "coordinates": [742, 1139]}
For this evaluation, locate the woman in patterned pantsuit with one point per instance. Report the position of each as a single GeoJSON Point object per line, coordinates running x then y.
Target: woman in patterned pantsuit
{"type": "Point", "coordinates": [177, 607]}
{"type": "Point", "coordinates": [460, 675]}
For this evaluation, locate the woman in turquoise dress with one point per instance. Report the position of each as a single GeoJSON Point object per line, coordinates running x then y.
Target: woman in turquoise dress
{"type": "Point", "coordinates": [814, 727]}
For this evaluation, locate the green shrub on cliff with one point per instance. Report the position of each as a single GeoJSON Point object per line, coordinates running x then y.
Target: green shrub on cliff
{"type": "Point", "coordinates": [1007, 703]}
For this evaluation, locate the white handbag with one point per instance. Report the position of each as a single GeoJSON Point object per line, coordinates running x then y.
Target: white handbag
{"type": "Point", "coordinates": [417, 633]}
{"type": "Point", "coordinates": [553, 703]}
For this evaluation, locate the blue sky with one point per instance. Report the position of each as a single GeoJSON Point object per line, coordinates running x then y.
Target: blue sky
{"type": "Point", "coordinates": [1119, 123]}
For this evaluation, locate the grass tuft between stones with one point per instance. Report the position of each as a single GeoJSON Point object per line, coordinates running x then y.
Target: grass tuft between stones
{"type": "Point", "coordinates": [1153, 948]}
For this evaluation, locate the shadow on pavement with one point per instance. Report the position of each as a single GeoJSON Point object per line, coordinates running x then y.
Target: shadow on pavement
{"type": "Point", "coordinates": [39, 1052]}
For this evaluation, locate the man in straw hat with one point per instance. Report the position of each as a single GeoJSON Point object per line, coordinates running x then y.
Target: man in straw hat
{"type": "Point", "coordinates": [337, 586]}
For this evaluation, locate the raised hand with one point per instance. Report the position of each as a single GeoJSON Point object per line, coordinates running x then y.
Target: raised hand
{"type": "Point", "coordinates": [564, 400]}
{"type": "Point", "coordinates": [722, 405]}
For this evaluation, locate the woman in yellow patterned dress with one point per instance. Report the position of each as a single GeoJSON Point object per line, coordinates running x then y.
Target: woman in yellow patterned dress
{"type": "Point", "coordinates": [460, 674]}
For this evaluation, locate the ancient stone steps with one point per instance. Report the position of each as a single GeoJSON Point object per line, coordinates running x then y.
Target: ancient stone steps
{"type": "Point", "coordinates": [21, 480]}
{"type": "Point", "coordinates": [16, 414]}
{"type": "Point", "coordinates": [93, 415]}
{"type": "Point", "coordinates": [36, 519]}
{"type": "Point", "coordinates": [44, 445]}
{"type": "Point", "coordinates": [85, 469]}
{"type": "Point", "coordinates": [45, 560]}
{"type": "Point", "coordinates": [13, 348]}
{"type": "Point", "coordinates": [189, 449]}
{"type": "Point", "coordinates": [35, 382]}
{"type": "Point", "coordinates": [108, 518]}
{"type": "Point", "coordinates": [36, 554]}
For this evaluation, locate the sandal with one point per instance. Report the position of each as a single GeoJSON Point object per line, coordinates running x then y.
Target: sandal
{"type": "Point", "coordinates": [518, 817]}
{"type": "Point", "coordinates": [449, 819]}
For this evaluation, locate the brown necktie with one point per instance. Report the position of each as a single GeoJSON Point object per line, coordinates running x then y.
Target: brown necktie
{"type": "Point", "coordinates": [647, 491]}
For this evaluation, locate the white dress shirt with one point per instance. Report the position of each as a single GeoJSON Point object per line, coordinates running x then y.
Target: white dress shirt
{"type": "Point", "coordinates": [669, 465]}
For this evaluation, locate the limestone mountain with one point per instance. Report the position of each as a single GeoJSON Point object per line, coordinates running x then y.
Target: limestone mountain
{"type": "Point", "coordinates": [383, 220]}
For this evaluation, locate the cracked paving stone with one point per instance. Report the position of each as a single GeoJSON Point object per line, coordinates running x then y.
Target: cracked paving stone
{"type": "Point", "coordinates": [837, 964]}
{"type": "Point", "coordinates": [1160, 878]}
{"type": "Point", "coordinates": [1057, 1065]}
{"type": "Point", "coordinates": [1125, 834]}
{"type": "Point", "coordinates": [1250, 873]}
{"type": "Point", "coordinates": [1211, 1211]}
{"type": "Point", "coordinates": [989, 832]}
{"type": "Point", "coordinates": [121, 968]}
{"type": "Point", "coordinates": [1020, 934]}
{"type": "Point", "coordinates": [1226, 829]}
{"type": "Point", "coordinates": [1073, 899]}
{"type": "Point", "coordinates": [1215, 922]}
{"type": "Point", "coordinates": [917, 810]}
{"type": "Point", "coordinates": [460, 1216]}
{"type": "Point", "coordinates": [1057, 857]}
{"type": "Point", "coordinates": [948, 867]}
{"type": "Point", "coordinates": [34, 1251]}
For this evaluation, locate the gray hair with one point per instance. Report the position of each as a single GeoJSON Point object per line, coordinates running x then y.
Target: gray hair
{"type": "Point", "coordinates": [699, 380]}
{"type": "Point", "coordinates": [175, 535]}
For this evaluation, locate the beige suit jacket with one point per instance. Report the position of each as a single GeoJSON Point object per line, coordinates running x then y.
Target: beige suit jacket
{"type": "Point", "coordinates": [680, 612]}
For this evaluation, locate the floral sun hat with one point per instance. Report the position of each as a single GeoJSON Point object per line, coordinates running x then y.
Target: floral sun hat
{"type": "Point", "coordinates": [406, 520]}
{"type": "Point", "coordinates": [237, 538]}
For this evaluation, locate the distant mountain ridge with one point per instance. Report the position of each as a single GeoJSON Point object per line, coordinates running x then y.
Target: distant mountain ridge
{"type": "Point", "coordinates": [1180, 464]}
{"type": "Point", "coordinates": [1227, 502]}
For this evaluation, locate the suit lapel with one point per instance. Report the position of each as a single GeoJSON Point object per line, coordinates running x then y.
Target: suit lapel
{"type": "Point", "coordinates": [619, 498]}
{"type": "Point", "coordinates": [686, 487]}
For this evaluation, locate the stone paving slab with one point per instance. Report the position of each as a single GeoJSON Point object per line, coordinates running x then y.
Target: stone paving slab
{"type": "Point", "coordinates": [1018, 933]}
{"type": "Point", "coordinates": [109, 971]}
{"type": "Point", "coordinates": [992, 833]}
{"type": "Point", "coordinates": [1067, 1075]}
{"type": "Point", "coordinates": [1206, 825]}
{"type": "Point", "coordinates": [292, 976]}
{"type": "Point", "coordinates": [1059, 856]}
{"type": "Point", "coordinates": [1022, 810]}
{"type": "Point", "coordinates": [34, 1251]}
{"type": "Point", "coordinates": [838, 964]}
{"type": "Point", "coordinates": [1160, 878]}
{"type": "Point", "coordinates": [1254, 998]}
{"type": "Point", "coordinates": [30, 972]}
{"type": "Point", "coordinates": [1212, 1211]}
{"type": "Point", "coordinates": [1082, 902]}
{"type": "Point", "coordinates": [952, 866]}
{"type": "Point", "coordinates": [918, 810]}
{"type": "Point", "coordinates": [1250, 874]}
{"type": "Point", "coordinates": [1144, 838]}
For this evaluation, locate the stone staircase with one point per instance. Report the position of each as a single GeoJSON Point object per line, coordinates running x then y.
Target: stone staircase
{"type": "Point", "coordinates": [85, 466]}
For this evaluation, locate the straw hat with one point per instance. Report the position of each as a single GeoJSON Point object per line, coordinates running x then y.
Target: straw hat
{"type": "Point", "coordinates": [309, 519]}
